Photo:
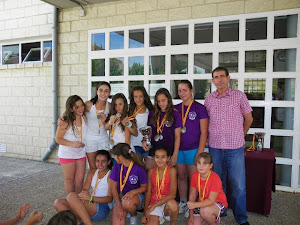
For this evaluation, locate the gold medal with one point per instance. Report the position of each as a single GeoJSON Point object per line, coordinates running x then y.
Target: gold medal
{"type": "Point", "coordinates": [161, 137]}
{"type": "Point", "coordinates": [111, 141]}
{"type": "Point", "coordinates": [183, 129]}
{"type": "Point", "coordinates": [121, 195]}
{"type": "Point", "coordinates": [98, 117]}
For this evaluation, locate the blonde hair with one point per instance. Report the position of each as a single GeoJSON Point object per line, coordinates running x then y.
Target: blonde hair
{"type": "Point", "coordinates": [206, 156]}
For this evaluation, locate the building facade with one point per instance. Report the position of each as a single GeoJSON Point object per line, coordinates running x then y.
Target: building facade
{"type": "Point", "coordinates": [154, 43]}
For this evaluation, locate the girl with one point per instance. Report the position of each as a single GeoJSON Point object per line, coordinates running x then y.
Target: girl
{"type": "Point", "coordinates": [165, 123]}
{"type": "Point", "coordinates": [160, 201]}
{"type": "Point", "coordinates": [119, 133]}
{"type": "Point", "coordinates": [194, 132]}
{"type": "Point", "coordinates": [139, 107]}
{"type": "Point", "coordinates": [71, 151]}
{"type": "Point", "coordinates": [129, 182]}
{"type": "Point", "coordinates": [94, 205]}
{"type": "Point", "coordinates": [97, 110]}
{"type": "Point", "coordinates": [207, 185]}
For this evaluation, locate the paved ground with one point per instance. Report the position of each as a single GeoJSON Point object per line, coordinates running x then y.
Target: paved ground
{"type": "Point", "coordinates": [40, 183]}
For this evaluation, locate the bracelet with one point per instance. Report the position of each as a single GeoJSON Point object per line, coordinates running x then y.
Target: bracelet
{"type": "Point", "coordinates": [91, 199]}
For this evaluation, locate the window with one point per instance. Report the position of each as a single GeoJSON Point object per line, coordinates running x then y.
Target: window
{"type": "Point", "coordinates": [31, 52]}
{"type": "Point", "coordinates": [260, 65]}
{"type": "Point", "coordinates": [27, 52]}
{"type": "Point", "coordinates": [10, 54]}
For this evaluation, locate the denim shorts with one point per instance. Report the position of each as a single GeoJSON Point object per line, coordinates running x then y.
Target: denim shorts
{"type": "Point", "coordinates": [101, 212]}
{"type": "Point", "coordinates": [139, 207]}
{"type": "Point", "coordinates": [139, 150]}
{"type": "Point", "coordinates": [187, 157]}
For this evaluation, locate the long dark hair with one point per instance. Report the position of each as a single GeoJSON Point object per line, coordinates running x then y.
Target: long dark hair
{"type": "Point", "coordinates": [123, 150]}
{"type": "Point", "coordinates": [94, 100]}
{"type": "Point", "coordinates": [113, 110]}
{"type": "Point", "coordinates": [108, 157]}
{"type": "Point", "coordinates": [147, 101]}
{"type": "Point", "coordinates": [157, 110]}
{"type": "Point", "coordinates": [69, 115]}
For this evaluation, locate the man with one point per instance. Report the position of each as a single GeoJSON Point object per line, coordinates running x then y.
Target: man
{"type": "Point", "coordinates": [230, 117]}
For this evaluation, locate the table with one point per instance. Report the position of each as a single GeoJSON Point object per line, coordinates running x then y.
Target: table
{"type": "Point", "coordinates": [260, 180]}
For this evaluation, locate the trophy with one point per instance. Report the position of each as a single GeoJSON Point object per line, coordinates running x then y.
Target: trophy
{"type": "Point", "coordinates": [260, 139]}
{"type": "Point", "coordinates": [145, 132]}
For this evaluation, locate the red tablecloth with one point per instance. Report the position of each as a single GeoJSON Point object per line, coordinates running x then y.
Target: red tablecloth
{"type": "Point", "coordinates": [260, 180]}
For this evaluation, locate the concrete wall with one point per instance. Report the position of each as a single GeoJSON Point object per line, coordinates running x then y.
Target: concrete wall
{"type": "Point", "coordinates": [25, 89]}
{"type": "Point", "coordinates": [25, 96]}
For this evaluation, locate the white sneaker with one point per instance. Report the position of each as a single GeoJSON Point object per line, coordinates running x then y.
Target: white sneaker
{"type": "Point", "coordinates": [133, 220]}
{"type": "Point", "coordinates": [186, 212]}
{"type": "Point", "coordinates": [182, 206]}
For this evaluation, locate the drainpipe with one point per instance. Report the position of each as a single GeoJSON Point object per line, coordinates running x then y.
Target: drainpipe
{"type": "Point", "coordinates": [54, 82]}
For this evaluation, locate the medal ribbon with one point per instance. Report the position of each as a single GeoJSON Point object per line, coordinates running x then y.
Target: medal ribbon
{"type": "Point", "coordinates": [98, 178]}
{"type": "Point", "coordinates": [122, 183]}
{"type": "Point", "coordinates": [186, 113]}
{"type": "Point", "coordinates": [132, 117]}
{"type": "Point", "coordinates": [199, 186]}
{"type": "Point", "coordinates": [114, 127]}
{"type": "Point", "coordinates": [160, 188]}
{"type": "Point", "coordinates": [161, 125]}
{"type": "Point", "coordinates": [79, 132]}
{"type": "Point", "coordinates": [97, 114]}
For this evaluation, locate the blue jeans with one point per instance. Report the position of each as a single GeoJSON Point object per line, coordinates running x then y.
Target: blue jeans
{"type": "Point", "coordinates": [232, 162]}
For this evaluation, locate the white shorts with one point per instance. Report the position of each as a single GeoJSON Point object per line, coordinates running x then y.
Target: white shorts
{"type": "Point", "coordinates": [159, 211]}
{"type": "Point", "coordinates": [95, 145]}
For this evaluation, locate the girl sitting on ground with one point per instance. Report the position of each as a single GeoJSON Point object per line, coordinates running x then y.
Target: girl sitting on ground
{"type": "Point", "coordinates": [94, 205]}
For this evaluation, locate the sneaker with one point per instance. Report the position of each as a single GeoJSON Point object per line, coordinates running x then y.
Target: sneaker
{"type": "Point", "coordinates": [182, 206]}
{"type": "Point", "coordinates": [133, 220]}
{"type": "Point", "coordinates": [186, 212]}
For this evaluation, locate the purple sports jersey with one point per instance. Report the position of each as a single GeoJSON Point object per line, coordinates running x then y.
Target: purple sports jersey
{"type": "Point", "coordinates": [137, 176]}
{"type": "Point", "coordinates": [168, 132]}
{"type": "Point", "coordinates": [190, 139]}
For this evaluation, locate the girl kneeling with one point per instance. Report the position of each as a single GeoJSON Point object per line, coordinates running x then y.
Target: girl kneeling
{"type": "Point", "coordinates": [129, 182]}
{"type": "Point", "coordinates": [208, 185]}
{"type": "Point", "coordinates": [160, 201]}
{"type": "Point", "coordinates": [93, 206]}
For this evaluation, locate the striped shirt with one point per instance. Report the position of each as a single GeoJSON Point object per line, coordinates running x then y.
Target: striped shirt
{"type": "Point", "coordinates": [226, 118]}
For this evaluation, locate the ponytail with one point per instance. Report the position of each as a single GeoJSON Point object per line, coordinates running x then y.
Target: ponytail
{"type": "Point", "coordinates": [124, 150]}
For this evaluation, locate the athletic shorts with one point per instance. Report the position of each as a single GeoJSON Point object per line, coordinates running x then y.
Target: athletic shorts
{"type": "Point", "coordinates": [187, 157]}
{"type": "Point", "coordinates": [221, 211]}
{"type": "Point", "coordinates": [66, 161]}
{"type": "Point", "coordinates": [139, 207]}
{"type": "Point", "coordinates": [95, 145]}
{"type": "Point", "coordinates": [101, 212]}
{"type": "Point", "coordinates": [159, 211]}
